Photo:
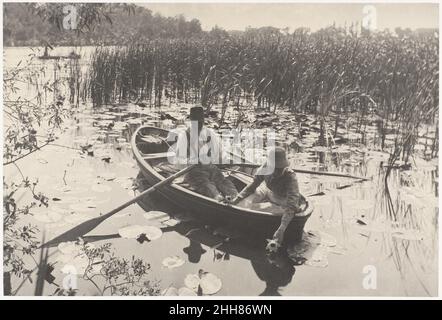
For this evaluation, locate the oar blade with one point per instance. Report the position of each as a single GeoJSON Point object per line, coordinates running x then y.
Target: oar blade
{"type": "Point", "coordinates": [76, 232]}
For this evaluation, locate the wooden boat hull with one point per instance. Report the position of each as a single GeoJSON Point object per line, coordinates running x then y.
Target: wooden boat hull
{"type": "Point", "coordinates": [213, 212]}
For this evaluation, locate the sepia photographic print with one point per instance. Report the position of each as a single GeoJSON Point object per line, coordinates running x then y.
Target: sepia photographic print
{"type": "Point", "coordinates": [219, 149]}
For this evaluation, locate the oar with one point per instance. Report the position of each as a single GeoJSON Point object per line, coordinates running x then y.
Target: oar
{"type": "Point", "coordinates": [247, 163]}
{"type": "Point", "coordinates": [87, 226]}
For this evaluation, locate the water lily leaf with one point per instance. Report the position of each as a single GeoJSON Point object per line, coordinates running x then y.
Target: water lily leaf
{"type": "Point", "coordinates": [156, 215]}
{"type": "Point", "coordinates": [76, 266]}
{"type": "Point", "coordinates": [135, 231]}
{"type": "Point", "coordinates": [109, 176]}
{"type": "Point", "coordinates": [207, 282]}
{"type": "Point", "coordinates": [184, 291]}
{"type": "Point", "coordinates": [173, 262]}
{"type": "Point", "coordinates": [210, 284]}
{"type": "Point", "coordinates": [131, 232]}
{"type": "Point", "coordinates": [153, 233]}
{"type": "Point", "coordinates": [192, 281]}
{"type": "Point", "coordinates": [171, 222]}
{"type": "Point", "coordinates": [171, 291]}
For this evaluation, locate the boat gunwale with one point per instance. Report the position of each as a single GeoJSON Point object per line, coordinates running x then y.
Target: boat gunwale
{"type": "Point", "coordinates": [194, 194]}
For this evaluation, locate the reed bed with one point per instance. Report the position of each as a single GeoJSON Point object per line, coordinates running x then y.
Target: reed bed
{"type": "Point", "coordinates": [390, 79]}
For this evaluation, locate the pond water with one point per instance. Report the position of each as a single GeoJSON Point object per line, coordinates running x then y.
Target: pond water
{"type": "Point", "coordinates": [350, 236]}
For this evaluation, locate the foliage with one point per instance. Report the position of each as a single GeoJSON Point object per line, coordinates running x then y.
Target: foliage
{"type": "Point", "coordinates": [118, 276]}
{"type": "Point", "coordinates": [98, 23]}
{"type": "Point", "coordinates": [34, 109]}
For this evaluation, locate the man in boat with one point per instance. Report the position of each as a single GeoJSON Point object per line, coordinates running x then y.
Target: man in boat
{"type": "Point", "coordinates": [280, 192]}
{"type": "Point", "coordinates": [202, 146]}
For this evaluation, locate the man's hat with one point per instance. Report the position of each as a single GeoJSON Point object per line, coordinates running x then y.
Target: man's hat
{"type": "Point", "coordinates": [278, 157]}
{"type": "Point", "coordinates": [196, 113]}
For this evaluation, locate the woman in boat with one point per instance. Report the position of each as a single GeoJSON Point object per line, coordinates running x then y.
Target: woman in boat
{"type": "Point", "coordinates": [202, 146]}
{"type": "Point", "coordinates": [278, 194]}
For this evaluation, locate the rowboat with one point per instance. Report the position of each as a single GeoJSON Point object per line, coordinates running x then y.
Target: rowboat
{"type": "Point", "coordinates": [150, 149]}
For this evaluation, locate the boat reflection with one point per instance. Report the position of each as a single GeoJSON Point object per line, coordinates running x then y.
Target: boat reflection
{"type": "Point", "coordinates": [275, 270]}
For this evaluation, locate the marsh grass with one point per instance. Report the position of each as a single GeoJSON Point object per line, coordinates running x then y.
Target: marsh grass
{"type": "Point", "coordinates": [332, 74]}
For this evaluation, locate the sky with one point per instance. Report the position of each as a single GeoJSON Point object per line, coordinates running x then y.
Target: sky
{"type": "Point", "coordinates": [231, 16]}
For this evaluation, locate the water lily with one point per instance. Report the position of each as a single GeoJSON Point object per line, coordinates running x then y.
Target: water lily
{"type": "Point", "coordinates": [135, 231]}
{"type": "Point", "coordinates": [173, 262]}
{"type": "Point", "coordinates": [205, 282]}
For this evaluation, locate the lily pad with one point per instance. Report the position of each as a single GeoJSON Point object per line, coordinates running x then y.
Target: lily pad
{"type": "Point", "coordinates": [210, 284]}
{"type": "Point", "coordinates": [171, 222]}
{"type": "Point", "coordinates": [192, 281]}
{"type": "Point", "coordinates": [135, 231]}
{"type": "Point", "coordinates": [109, 176]}
{"type": "Point", "coordinates": [76, 266]}
{"type": "Point", "coordinates": [131, 232]}
{"type": "Point", "coordinates": [207, 282]}
{"type": "Point", "coordinates": [184, 291]}
{"type": "Point", "coordinates": [157, 215]}
{"type": "Point", "coordinates": [152, 233]}
{"type": "Point", "coordinates": [173, 262]}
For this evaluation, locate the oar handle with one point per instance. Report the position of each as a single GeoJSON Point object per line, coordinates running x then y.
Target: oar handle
{"type": "Point", "coordinates": [150, 190]}
{"type": "Point", "coordinates": [247, 163]}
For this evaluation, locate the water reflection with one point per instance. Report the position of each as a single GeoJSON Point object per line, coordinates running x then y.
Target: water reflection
{"type": "Point", "coordinates": [275, 270]}
{"type": "Point", "coordinates": [194, 251]}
